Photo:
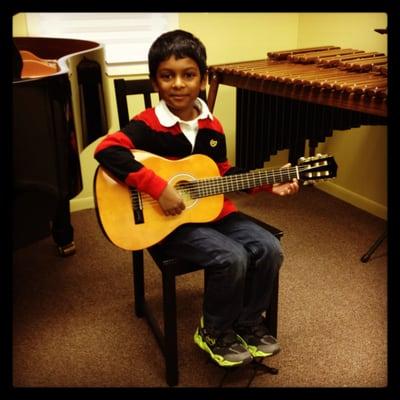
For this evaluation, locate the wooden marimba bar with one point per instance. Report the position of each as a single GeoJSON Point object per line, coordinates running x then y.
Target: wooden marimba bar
{"type": "Point", "coordinates": [348, 86]}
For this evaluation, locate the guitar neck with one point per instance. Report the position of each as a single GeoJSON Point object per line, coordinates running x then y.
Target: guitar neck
{"type": "Point", "coordinates": [231, 183]}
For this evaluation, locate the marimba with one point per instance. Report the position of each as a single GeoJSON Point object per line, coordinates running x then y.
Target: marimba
{"type": "Point", "coordinates": [299, 95]}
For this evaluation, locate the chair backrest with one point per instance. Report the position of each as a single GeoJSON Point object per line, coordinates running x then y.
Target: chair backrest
{"type": "Point", "coordinates": [124, 88]}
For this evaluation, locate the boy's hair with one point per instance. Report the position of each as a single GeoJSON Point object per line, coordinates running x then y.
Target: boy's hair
{"type": "Point", "coordinates": [180, 44]}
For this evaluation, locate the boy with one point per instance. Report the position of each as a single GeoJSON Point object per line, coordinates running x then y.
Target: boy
{"type": "Point", "coordinates": [240, 258]}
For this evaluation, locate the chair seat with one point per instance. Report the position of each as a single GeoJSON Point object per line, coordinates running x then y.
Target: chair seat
{"type": "Point", "coordinates": [178, 266]}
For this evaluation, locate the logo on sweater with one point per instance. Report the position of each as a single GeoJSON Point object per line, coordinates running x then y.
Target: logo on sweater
{"type": "Point", "coordinates": [213, 143]}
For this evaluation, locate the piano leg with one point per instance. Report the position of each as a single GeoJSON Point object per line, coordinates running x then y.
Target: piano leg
{"type": "Point", "coordinates": [62, 230]}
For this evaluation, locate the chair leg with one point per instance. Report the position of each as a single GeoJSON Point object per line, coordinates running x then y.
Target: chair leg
{"type": "Point", "coordinates": [170, 327]}
{"type": "Point", "coordinates": [138, 282]}
{"type": "Point", "coordinates": [272, 312]}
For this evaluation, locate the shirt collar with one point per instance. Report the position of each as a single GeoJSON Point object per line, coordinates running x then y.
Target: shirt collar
{"type": "Point", "coordinates": [168, 119]}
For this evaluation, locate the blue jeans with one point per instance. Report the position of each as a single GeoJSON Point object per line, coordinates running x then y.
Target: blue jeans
{"type": "Point", "coordinates": [240, 260]}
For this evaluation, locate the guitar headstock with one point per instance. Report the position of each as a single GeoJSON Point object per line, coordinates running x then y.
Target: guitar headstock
{"type": "Point", "coordinates": [317, 168]}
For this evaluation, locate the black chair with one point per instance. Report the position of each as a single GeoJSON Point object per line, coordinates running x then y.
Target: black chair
{"type": "Point", "coordinates": [170, 267]}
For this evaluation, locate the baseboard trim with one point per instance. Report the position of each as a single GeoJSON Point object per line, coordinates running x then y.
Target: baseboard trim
{"type": "Point", "coordinates": [81, 203]}
{"type": "Point", "coordinates": [354, 199]}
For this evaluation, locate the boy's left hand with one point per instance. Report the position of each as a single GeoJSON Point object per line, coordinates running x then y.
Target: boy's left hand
{"type": "Point", "coordinates": [287, 188]}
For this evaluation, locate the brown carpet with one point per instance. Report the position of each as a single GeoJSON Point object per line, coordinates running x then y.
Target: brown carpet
{"type": "Point", "coordinates": [74, 326]}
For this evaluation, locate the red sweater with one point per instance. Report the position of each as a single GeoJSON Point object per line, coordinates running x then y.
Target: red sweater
{"type": "Point", "coordinates": [145, 132]}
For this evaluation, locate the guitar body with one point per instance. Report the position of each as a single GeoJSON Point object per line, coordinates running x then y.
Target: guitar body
{"type": "Point", "coordinates": [115, 207]}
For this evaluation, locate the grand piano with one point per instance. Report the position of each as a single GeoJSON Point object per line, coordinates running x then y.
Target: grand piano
{"type": "Point", "coordinates": [45, 153]}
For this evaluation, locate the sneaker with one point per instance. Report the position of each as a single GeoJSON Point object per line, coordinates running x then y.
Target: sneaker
{"type": "Point", "coordinates": [226, 349]}
{"type": "Point", "coordinates": [258, 341]}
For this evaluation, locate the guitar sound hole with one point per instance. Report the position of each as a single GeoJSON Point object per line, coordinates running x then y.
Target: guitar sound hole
{"type": "Point", "coordinates": [187, 189]}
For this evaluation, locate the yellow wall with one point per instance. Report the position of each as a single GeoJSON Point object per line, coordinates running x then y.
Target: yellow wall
{"type": "Point", "coordinates": [19, 25]}
{"type": "Point", "coordinates": [360, 153]}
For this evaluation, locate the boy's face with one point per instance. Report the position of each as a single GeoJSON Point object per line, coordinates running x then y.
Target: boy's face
{"type": "Point", "coordinates": [179, 83]}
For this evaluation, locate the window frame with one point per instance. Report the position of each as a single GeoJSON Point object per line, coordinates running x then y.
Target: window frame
{"type": "Point", "coordinates": [125, 47]}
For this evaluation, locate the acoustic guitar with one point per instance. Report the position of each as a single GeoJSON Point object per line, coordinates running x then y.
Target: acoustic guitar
{"type": "Point", "coordinates": [133, 220]}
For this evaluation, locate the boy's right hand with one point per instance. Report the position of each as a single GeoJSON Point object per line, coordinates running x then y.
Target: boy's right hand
{"type": "Point", "coordinates": [170, 201]}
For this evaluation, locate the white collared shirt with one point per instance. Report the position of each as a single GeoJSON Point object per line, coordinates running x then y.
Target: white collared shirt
{"type": "Point", "coordinates": [189, 128]}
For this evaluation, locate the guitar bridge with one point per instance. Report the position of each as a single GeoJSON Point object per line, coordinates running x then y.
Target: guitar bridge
{"type": "Point", "coordinates": [137, 206]}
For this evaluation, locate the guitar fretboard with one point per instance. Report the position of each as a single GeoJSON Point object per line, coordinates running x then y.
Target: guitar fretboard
{"type": "Point", "coordinates": [231, 183]}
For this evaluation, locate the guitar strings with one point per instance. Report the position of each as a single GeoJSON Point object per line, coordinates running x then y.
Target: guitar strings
{"type": "Point", "coordinates": [212, 186]}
